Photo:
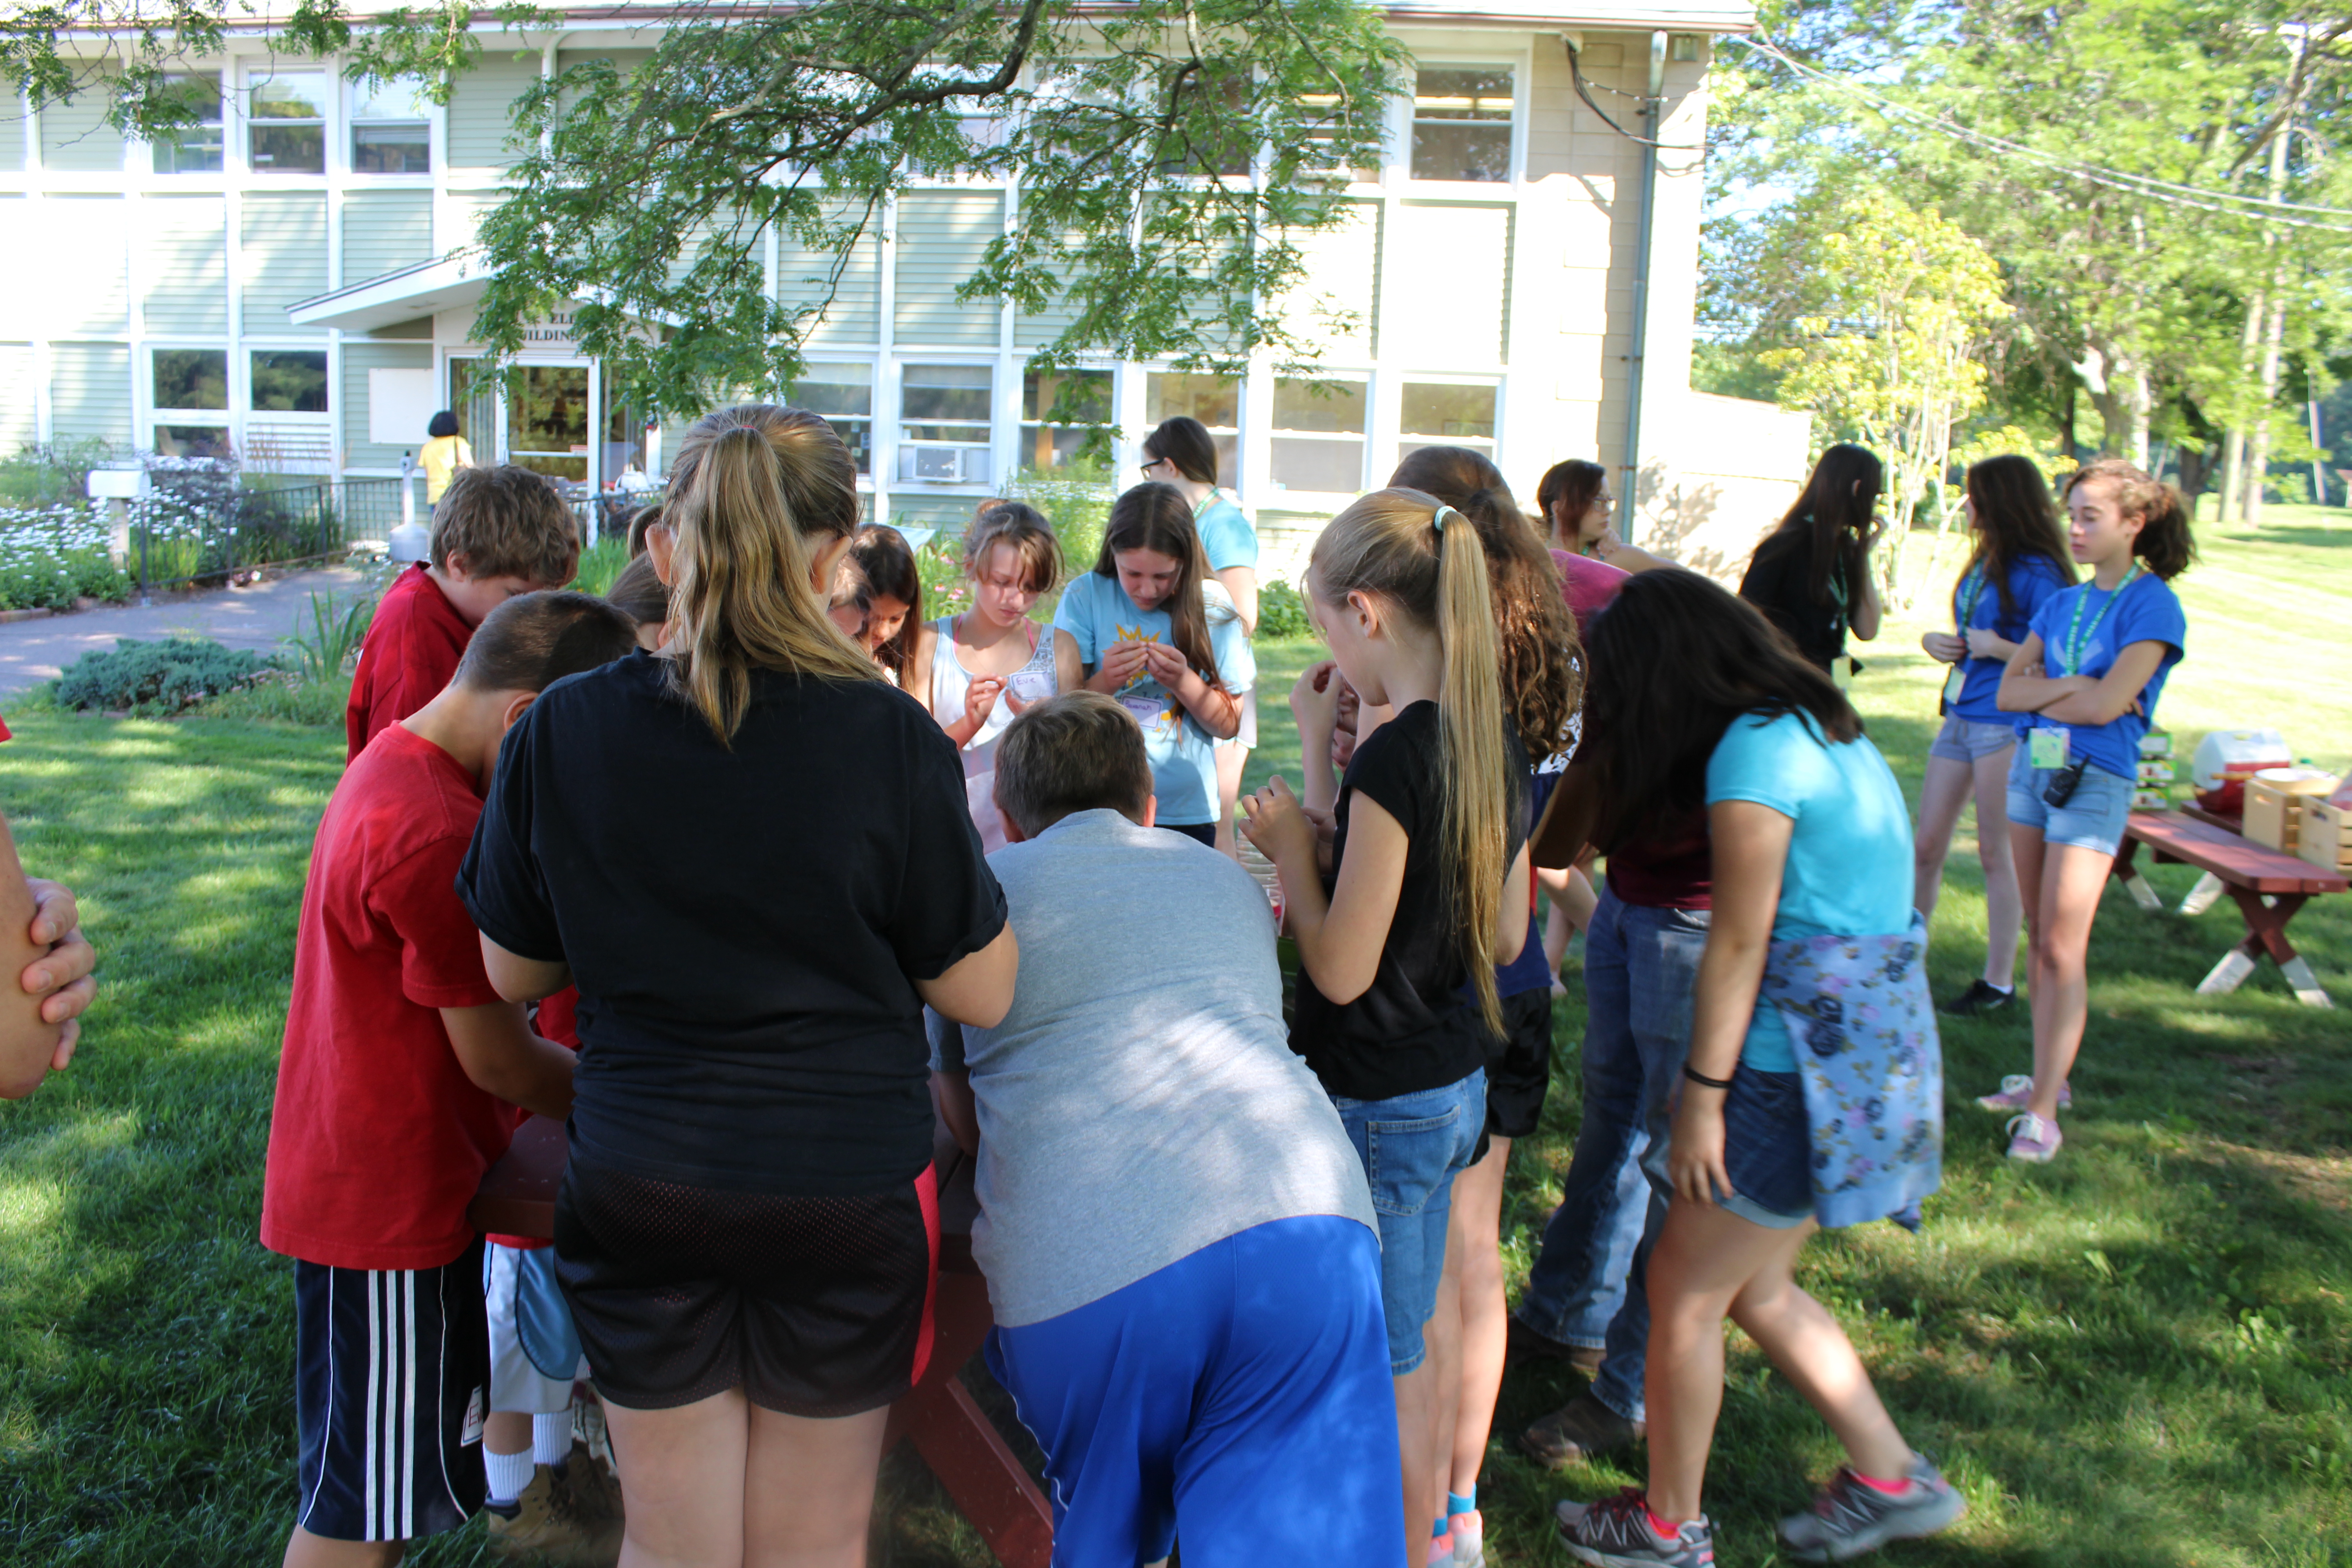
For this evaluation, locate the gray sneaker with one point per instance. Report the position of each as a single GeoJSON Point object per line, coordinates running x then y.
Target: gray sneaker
{"type": "Point", "coordinates": [1615, 1533]}
{"type": "Point", "coordinates": [1849, 1518]}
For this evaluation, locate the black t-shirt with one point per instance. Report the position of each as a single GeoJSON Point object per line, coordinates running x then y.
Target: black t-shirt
{"type": "Point", "coordinates": [1415, 1029]}
{"type": "Point", "coordinates": [744, 925]}
{"type": "Point", "coordinates": [1780, 581]}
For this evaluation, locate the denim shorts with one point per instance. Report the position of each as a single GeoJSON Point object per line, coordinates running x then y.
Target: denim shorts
{"type": "Point", "coordinates": [1767, 1149]}
{"type": "Point", "coordinates": [1412, 1146]}
{"type": "Point", "coordinates": [1970, 741]}
{"type": "Point", "coordinates": [2092, 818]}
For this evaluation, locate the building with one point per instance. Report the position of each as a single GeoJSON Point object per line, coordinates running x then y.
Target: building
{"type": "Point", "coordinates": [293, 282]}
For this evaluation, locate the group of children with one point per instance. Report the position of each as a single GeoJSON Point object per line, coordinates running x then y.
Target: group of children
{"type": "Point", "coordinates": [725, 834]}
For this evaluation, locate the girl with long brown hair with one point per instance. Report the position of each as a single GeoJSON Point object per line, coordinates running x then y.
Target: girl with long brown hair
{"type": "Point", "coordinates": [1157, 632]}
{"type": "Point", "coordinates": [2019, 561]}
{"type": "Point", "coordinates": [1423, 891]}
{"type": "Point", "coordinates": [1811, 575]}
{"type": "Point", "coordinates": [745, 1230]}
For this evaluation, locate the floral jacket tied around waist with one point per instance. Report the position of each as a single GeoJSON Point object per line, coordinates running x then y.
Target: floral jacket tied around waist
{"type": "Point", "coordinates": [1864, 1034]}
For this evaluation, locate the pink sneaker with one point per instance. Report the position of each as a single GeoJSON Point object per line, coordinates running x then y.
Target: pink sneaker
{"type": "Point", "coordinates": [2032, 1139]}
{"type": "Point", "coordinates": [1469, 1534]}
{"type": "Point", "coordinates": [1441, 1551]}
{"type": "Point", "coordinates": [2017, 1093]}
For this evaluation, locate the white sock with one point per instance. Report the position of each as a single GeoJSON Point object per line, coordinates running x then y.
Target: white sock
{"type": "Point", "coordinates": [551, 1437]}
{"type": "Point", "coordinates": [507, 1474]}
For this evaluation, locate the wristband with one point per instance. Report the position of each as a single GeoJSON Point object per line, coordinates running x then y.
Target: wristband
{"type": "Point", "coordinates": [1699, 1078]}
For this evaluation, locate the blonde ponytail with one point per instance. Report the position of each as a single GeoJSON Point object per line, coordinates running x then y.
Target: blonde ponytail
{"type": "Point", "coordinates": [741, 597]}
{"type": "Point", "coordinates": [1389, 544]}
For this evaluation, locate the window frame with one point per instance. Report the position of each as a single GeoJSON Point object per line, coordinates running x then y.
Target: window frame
{"type": "Point", "coordinates": [810, 373]}
{"type": "Point", "coordinates": [169, 147]}
{"type": "Point", "coordinates": [1519, 64]}
{"type": "Point", "coordinates": [1232, 441]}
{"type": "Point", "coordinates": [1026, 428]}
{"type": "Point", "coordinates": [1362, 378]}
{"type": "Point", "coordinates": [255, 81]}
{"type": "Point", "coordinates": [1397, 435]}
{"type": "Point", "coordinates": [327, 380]}
{"type": "Point", "coordinates": [426, 121]}
{"type": "Point", "coordinates": [904, 445]}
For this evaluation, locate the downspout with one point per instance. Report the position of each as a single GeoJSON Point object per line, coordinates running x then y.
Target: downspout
{"type": "Point", "coordinates": [1627, 491]}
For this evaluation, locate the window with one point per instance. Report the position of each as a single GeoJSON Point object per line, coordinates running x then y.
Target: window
{"type": "Point", "coordinates": [1081, 398]}
{"type": "Point", "coordinates": [945, 412]}
{"type": "Point", "coordinates": [1213, 400]}
{"type": "Point", "coordinates": [192, 149]}
{"type": "Point", "coordinates": [288, 134]}
{"type": "Point", "coordinates": [289, 381]}
{"type": "Point", "coordinates": [192, 441]}
{"type": "Point", "coordinates": [391, 129]}
{"type": "Point", "coordinates": [1437, 415]}
{"type": "Point", "coordinates": [1321, 137]}
{"type": "Point", "coordinates": [1318, 435]}
{"type": "Point", "coordinates": [844, 394]}
{"type": "Point", "coordinates": [191, 378]}
{"type": "Point", "coordinates": [1462, 123]}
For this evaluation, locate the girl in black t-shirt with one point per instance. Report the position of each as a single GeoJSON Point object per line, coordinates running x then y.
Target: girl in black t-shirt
{"type": "Point", "coordinates": [1427, 893]}
{"type": "Point", "coordinates": [1812, 575]}
{"type": "Point", "coordinates": [753, 857]}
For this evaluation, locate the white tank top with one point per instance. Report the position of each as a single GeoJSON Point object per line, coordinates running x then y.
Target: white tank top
{"type": "Point", "coordinates": [950, 682]}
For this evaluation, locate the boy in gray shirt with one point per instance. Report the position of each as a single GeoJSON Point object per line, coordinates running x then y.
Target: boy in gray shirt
{"type": "Point", "coordinates": [1179, 1242]}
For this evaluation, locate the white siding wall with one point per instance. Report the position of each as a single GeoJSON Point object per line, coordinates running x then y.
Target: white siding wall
{"type": "Point", "coordinates": [384, 231]}
{"type": "Point", "coordinates": [18, 382]}
{"type": "Point", "coordinates": [480, 129]}
{"type": "Point", "coordinates": [941, 235]}
{"type": "Point", "coordinates": [87, 257]}
{"type": "Point", "coordinates": [1343, 269]}
{"type": "Point", "coordinates": [854, 319]}
{"type": "Point", "coordinates": [186, 265]}
{"type": "Point", "coordinates": [87, 386]}
{"type": "Point", "coordinates": [1459, 255]}
{"type": "Point", "coordinates": [75, 136]}
{"type": "Point", "coordinates": [284, 260]}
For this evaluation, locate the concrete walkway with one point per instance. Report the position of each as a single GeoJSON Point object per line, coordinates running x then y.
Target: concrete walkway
{"type": "Point", "coordinates": [256, 617]}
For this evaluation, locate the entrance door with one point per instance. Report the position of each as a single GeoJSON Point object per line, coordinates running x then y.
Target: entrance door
{"type": "Point", "coordinates": [475, 401]}
{"type": "Point", "coordinates": [549, 419]}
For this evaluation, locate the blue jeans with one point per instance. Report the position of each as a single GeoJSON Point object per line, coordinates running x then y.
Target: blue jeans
{"type": "Point", "coordinates": [1589, 1286]}
{"type": "Point", "coordinates": [1412, 1146]}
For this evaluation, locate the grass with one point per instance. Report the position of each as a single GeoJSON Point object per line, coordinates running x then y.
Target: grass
{"type": "Point", "coordinates": [2137, 1356]}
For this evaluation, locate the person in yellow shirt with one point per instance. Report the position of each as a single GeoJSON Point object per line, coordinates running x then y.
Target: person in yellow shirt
{"type": "Point", "coordinates": [442, 455]}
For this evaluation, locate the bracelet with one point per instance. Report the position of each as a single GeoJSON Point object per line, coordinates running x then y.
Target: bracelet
{"type": "Point", "coordinates": [1699, 1078]}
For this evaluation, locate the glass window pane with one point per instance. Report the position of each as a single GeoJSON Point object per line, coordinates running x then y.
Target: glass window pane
{"type": "Point", "coordinates": [289, 381]}
{"type": "Point", "coordinates": [391, 149]}
{"type": "Point", "coordinates": [834, 389]}
{"type": "Point", "coordinates": [192, 149]}
{"type": "Point", "coordinates": [1213, 400]}
{"type": "Point", "coordinates": [547, 420]}
{"type": "Point", "coordinates": [1083, 396]}
{"type": "Point", "coordinates": [400, 100]}
{"type": "Point", "coordinates": [192, 441]}
{"type": "Point", "coordinates": [191, 378]}
{"type": "Point", "coordinates": [1462, 123]}
{"type": "Point", "coordinates": [1462, 93]}
{"type": "Point", "coordinates": [291, 95]}
{"type": "Point", "coordinates": [1440, 415]}
{"type": "Point", "coordinates": [1318, 463]}
{"type": "Point", "coordinates": [289, 149]}
{"type": "Point", "coordinates": [961, 392]}
{"type": "Point", "coordinates": [1335, 406]}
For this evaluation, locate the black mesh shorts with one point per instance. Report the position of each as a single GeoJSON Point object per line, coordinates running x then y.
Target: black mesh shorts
{"type": "Point", "coordinates": [1518, 1067]}
{"type": "Point", "coordinates": [812, 1306]}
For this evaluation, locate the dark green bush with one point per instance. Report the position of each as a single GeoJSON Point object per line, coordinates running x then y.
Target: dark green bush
{"type": "Point", "coordinates": [1281, 613]}
{"type": "Point", "coordinates": [40, 580]}
{"type": "Point", "coordinates": [155, 678]}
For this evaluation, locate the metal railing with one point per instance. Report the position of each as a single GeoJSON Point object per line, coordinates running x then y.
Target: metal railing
{"type": "Point", "coordinates": [207, 532]}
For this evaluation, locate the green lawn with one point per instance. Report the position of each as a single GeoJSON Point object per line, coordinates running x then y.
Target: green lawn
{"type": "Point", "coordinates": [2137, 1356]}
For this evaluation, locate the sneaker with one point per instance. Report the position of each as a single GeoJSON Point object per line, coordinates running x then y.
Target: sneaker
{"type": "Point", "coordinates": [1469, 1533]}
{"type": "Point", "coordinates": [1616, 1532]}
{"type": "Point", "coordinates": [1980, 998]}
{"type": "Point", "coordinates": [2017, 1093]}
{"type": "Point", "coordinates": [1441, 1551]}
{"type": "Point", "coordinates": [2032, 1139]}
{"type": "Point", "coordinates": [1577, 1432]}
{"type": "Point", "coordinates": [1849, 1518]}
{"type": "Point", "coordinates": [1526, 1344]}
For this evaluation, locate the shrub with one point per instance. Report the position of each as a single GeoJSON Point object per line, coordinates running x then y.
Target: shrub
{"type": "Point", "coordinates": [329, 643]}
{"type": "Point", "coordinates": [601, 563]}
{"type": "Point", "coordinates": [157, 677]}
{"type": "Point", "coordinates": [1281, 613]}
{"type": "Point", "coordinates": [280, 697]}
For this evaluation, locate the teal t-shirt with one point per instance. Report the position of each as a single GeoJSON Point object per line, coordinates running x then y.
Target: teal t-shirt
{"type": "Point", "coordinates": [1097, 612]}
{"type": "Point", "coordinates": [1226, 536]}
{"type": "Point", "coordinates": [1849, 869]}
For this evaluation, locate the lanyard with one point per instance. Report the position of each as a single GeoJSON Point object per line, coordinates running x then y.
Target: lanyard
{"type": "Point", "coordinates": [2070, 652]}
{"type": "Point", "coordinates": [1973, 586]}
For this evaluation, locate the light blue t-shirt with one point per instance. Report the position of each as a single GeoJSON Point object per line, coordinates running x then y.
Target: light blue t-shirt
{"type": "Point", "coordinates": [2145, 609]}
{"type": "Point", "coordinates": [1849, 868]}
{"type": "Point", "coordinates": [1976, 602]}
{"type": "Point", "coordinates": [1226, 535]}
{"type": "Point", "coordinates": [1096, 611]}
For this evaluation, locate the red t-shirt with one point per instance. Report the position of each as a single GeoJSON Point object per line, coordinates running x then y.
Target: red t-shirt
{"type": "Point", "coordinates": [379, 1140]}
{"type": "Point", "coordinates": [411, 650]}
{"type": "Point", "coordinates": [1586, 583]}
{"type": "Point", "coordinates": [558, 1020]}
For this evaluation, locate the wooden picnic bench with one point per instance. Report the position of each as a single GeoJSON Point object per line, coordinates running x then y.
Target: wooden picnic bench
{"type": "Point", "coordinates": [2268, 888]}
{"type": "Point", "coordinates": [940, 1417]}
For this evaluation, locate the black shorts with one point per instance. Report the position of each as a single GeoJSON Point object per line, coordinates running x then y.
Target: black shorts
{"type": "Point", "coordinates": [1519, 1066]}
{"type": "Point", "coordinates": [392, 1373]}
{"type": "Point", "coordinates": [812, 1306]}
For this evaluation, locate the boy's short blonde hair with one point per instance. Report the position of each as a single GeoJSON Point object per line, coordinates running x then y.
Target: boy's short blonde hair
{"type": "Point", "coordinates": [507, 522]}
{"type": "Point", "coordinates": [1077, 751]}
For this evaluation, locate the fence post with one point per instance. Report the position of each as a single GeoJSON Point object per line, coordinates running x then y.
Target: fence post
{"type": "Point", "coordinates": [143, 600]}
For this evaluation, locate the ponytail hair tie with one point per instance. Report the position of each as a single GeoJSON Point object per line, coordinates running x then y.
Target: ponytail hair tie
{"type": "Point", "coordinates": [1438, 520]}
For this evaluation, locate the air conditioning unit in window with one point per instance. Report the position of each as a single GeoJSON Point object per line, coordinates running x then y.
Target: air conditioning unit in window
{"type": "Point", "coordinates": [937, 463]}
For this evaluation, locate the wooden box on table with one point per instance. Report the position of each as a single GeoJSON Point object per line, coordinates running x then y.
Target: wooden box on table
{"type": "Point", "coordinates": [2324, 835]}
{"type": "Point", "coordinates": [2274, 813]}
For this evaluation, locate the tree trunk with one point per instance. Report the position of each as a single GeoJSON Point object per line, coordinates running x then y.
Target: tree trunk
{"type": "Point", "coordinates": [2233, 444]}
{"type": "Point", "coordinates": [2196, 470]}
{"type": "Point", "coordinates": [2258, 459]}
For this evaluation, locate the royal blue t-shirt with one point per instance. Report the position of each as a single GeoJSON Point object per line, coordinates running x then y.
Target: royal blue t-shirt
{"type": "Point", "coordinates": [2145, 609]}
{"type": "Point", "coordinates": [1226, 536]}
{"type": "Point", "coordinates": [1096, 611]}
{"type": "Point", "coordinates": [2032, 580]}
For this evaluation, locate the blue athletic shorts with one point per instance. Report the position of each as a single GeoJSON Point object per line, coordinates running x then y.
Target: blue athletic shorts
{"type": "Point", "coordinates": [1239, 1397]}
{"type": "Point", "coordinates": [391, 1385]}
{"type": "Point", "coordinates": [1412, 1146]}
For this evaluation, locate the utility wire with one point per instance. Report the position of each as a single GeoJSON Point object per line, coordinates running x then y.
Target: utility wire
{"type": "Point", "coordinates": [1576, 74]}
{"type": "Point", "coordinates": [2224, 204]}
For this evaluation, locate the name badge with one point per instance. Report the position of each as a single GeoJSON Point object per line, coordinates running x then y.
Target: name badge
{"type": "Point", "coordinates": [1842, 673]}
{"type": "Point", "coordinates": [2046, 748]}
{"type": "Point", "coordinates": [1953, 682]}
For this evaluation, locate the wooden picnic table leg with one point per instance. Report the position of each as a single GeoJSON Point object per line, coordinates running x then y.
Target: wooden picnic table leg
{"type": "Point", "coordinates": [2136, 881]}
{"type": "Point", "coordinates": [2266, 920]}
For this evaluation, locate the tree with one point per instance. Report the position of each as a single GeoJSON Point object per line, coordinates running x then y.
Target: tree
{"type": "Point", "coordinates": [1165, 155]}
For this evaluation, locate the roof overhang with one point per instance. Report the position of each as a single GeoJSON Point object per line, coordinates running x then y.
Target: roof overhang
{"type": "Point", "coordinates": [452, 283]}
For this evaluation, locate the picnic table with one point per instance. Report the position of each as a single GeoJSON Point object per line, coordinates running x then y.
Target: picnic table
{"type": "Point", "coordinates": [2268, 888]}
{"type": "Point", "coordinates": [940, 1417]}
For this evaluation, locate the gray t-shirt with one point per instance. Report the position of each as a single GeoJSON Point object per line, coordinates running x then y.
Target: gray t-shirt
{"type": "Point", "coordinates": [1141, 1100]}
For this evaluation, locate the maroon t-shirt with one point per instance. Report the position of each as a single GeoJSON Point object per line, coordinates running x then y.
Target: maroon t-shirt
{"type": "Point", "coordinates": [1671, 870]}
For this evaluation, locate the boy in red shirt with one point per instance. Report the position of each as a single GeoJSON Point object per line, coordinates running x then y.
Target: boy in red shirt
{"type": "Point", "coordinates": [497, 533]}
{"type": "Point", "coordinates": [391, 1088]}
